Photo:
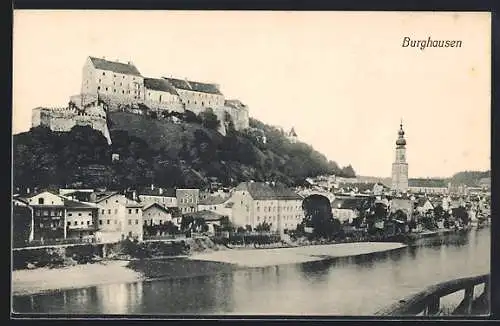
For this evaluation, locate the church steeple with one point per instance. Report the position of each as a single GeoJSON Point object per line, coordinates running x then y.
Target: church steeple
{"type": "Point", "coordinates": [401, 141]}
{"type": "Point", "coordinates": [400, 166]}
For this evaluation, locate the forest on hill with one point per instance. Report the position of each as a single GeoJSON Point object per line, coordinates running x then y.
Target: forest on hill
{"type": "Point", "coordinates": [157, 151]}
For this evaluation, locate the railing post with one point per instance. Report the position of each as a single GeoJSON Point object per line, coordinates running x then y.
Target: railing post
{"type": "Point", "coordinates": [468, 296]}
{"type": "Point", "coordinates": [433, 306]}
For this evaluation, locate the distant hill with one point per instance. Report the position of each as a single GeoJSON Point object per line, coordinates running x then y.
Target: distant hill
{"type": "Point", "coordinates": [184, 154]}
{"type": "Point", "coordinates": [469, 178]}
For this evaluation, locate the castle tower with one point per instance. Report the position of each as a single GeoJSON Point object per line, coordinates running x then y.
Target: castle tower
{"type": "Point", "coordinates": [400, 167]}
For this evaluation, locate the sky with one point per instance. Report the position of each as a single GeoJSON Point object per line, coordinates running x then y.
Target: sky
{"type": "Point", "coordinates": [341, 79]}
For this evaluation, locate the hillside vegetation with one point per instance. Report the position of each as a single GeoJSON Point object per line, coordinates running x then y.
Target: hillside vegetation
{"type": "Point", "coordinates": [151, 150]}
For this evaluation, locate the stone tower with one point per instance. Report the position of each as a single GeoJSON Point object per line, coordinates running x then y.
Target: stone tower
{"type": "Point", "coordinates": [400, 167]}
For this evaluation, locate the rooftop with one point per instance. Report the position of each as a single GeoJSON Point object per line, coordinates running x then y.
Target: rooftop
{"type": "Point", "coordinates": [212, 200]}
{"type": "Point", "coordinates": [193, 86]}
{"type": "Point", "coordinates": [206, 215]}
{"type": "Point", "coordinates": [159, 84]}
{"type": "Point", "coordinates": [264, 191]}
{"type": "Point", "coordinates": [118, 67]}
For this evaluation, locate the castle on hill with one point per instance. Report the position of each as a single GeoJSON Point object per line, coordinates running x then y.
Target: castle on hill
{"type": "Point", "coordinates": [109, 86]}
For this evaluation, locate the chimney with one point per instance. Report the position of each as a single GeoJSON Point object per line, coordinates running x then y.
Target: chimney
{"type": "Point", "coordinates": [152, 187]}
{"type": "Point", "coordinates": [134, 195]}
{"type": "Point", "coordinates": [161, 191]}
{"type": "Point", "coordinates": [27, 190]}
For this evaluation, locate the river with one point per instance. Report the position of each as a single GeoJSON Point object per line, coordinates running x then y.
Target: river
{"type": "Point", "coordinates": [344, 286]}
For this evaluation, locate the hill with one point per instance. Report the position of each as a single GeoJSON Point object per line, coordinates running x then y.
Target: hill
{"type": "Point", "coordinates": [469, 178]}
{"type": "Point", "coordinates": [189, 153]}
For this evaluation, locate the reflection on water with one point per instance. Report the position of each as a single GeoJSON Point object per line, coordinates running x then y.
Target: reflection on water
{"type": "Point", "coordinates": [347, 286]}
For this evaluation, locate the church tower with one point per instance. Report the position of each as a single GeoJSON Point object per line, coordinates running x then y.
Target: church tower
{"type": "Point", "coordinates": [400, 167]}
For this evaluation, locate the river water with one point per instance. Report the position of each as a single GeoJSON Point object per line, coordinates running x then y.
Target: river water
{"type": "Point", "coordinates": [345, 286]}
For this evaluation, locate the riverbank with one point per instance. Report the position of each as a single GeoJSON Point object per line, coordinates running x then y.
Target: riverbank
{"type": "Point", "coordinates": [294, 255]}
{"type": "Point", "coordinates": [78, 276]}
{"type": "Point", "coordinates": [198, 264]}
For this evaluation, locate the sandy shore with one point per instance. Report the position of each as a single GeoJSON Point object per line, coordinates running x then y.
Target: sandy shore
{"type": "Point", "coordinates": [270, 257]}
{"type": "Point", "coordinates": [45, 279]}
{"type": "Point", "coordinates": [79, 276]}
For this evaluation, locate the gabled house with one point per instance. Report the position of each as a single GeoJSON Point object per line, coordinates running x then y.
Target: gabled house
{"type": "Point", "coordinates": [423, 205]}
{"type": "Point", "coordinates": [217, 204]}
{"type": "Point", "coordinates": [156, 214]}
{"type": "Point", "coordinates": [164, 197]}
{"type": "Point", "coordinates": [58, 217]}
{"type": "Point", "coordinates": [119, 218]}
{"type": "Point", "coordinates": [346, 208]}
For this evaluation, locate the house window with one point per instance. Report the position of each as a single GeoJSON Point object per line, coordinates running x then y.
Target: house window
{"type": "Point", "coordinates": [79, 214]}
{"type": "Point", "coordinates": [88, 222]}
{"type": "Point", "coordinates": [129, 222]}
{"type": "Point", "coordinates": [136, 222]}
{"type": "Point", "coordinates": [114, 90]}
{"type": "Point", "coordinates": [70, 214]}
{"type": "Point", "coordinates": [76, 223]}
{"type": "Point", "coordinates": [100, 222]}
{"type": "Point", "coordinates": [102, 211]}
{"type": "Point", "coordinates": [123, 92]}
{"type": "Point", "coordinates": [98, 88]}
{"type": "Point", "coordinates": [90, 214]}
{"type": "Point", "coordinates": [69, 223]}
{"type": "Point", "coordinates": [137, 211]}
{"type": "Point", "coordinates": [109, 211]}
{"type": "Point", "coordinates": [130, 211]}
{"type": "Point", "coordinates": [81, 222]}
{"type": "Point", "coordinates": [103, 73]}
{"type": "Point", "coordinates": [106, 89]}
{"type": "Point", "coordinates": [40, 201]}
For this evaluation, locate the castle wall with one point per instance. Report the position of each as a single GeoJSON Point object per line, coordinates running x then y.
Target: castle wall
{"type": "Point", "coordinates": [119, 85]}
{"type": "Point", "coordinates": [198, 101]}
{"type": "Point", "coordinates": [63, 119]}
{"type": "Point", "coordinates": [240, 117]}
{"type": "Point", "coordinates": [161, 101]}
{"type": "Point", "coordinates": [89, 85]}
{"type": "Point", "coordinates": [35, 117]}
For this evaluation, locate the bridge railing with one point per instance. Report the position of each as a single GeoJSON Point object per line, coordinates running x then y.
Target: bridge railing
{"type": "Point", "coordinates": [428, 301]}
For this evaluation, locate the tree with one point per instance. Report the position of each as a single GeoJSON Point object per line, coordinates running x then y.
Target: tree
{"type": "Point", "coordinates": [263, 227]}
{"type": "Point", "coordinates": [191, 117]}
{"type": "Point", "coordinates": [438, 212]}
{"type": "Point", "coordinates": [248, 228]}
{"type": "Point", "coordinates": [348, 172]}
{"type": "Point", "coordinates": [399, 215]}
{"type": "Point", "coordinates": [318, 215]}
{"type": "Point", "coordinates": [186, 222]}
{"type": "Point", "coordinates": [209, 119]}
{"type": "Point", "coordinates": [461, 214]}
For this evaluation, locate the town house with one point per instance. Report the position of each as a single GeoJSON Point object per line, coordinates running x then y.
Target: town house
{"type": "Point", "coordinates": [257, 202]}
{"type": "Point", "coordinates": [156, 214]}
{"type": "Point", "coordinates": [48, 215]}
{"type": "Point", "coordinates": [218, 204]}
{"type": "Point", "coordinates": [119, 218]}
{"type": "Point", "coordinates": [164, 197]}
{"type": "Point", "coordinates": [187, 200]}
{"type": "Point", "coordinates": [346, 208]}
